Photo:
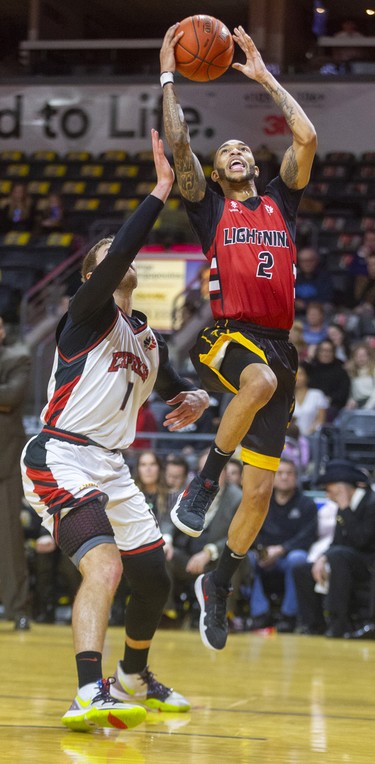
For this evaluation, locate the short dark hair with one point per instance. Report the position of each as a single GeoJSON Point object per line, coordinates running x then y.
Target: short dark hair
{"type": "Point", "coordinates": [89, 260]}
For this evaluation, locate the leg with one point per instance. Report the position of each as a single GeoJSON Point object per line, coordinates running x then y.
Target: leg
{"type": "Point", "coordinates": [259, 604]}
{"type": "Point", "coordinates": [101, 570]}
{"type": "Point", "coordinates": [257, 384]}
{"type": "Point", "coordinates": [149, 584]}
{"type": "Point", "coordinates": [86, 535]}
{"type": "Point", "coordinates": [257, 485]}
{"type": "Point", "coordinates": [347, 568]}
{"type": "Point", "coordinates": [310, 603]}
{"type": "Point", "coordinates": [13, 564]}
{"type": "Point", "coordinates": [289, 605]}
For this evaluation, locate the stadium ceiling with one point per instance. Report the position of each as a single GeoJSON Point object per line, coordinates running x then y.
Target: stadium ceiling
{"type": "Point", "coordinates": [154, 17]}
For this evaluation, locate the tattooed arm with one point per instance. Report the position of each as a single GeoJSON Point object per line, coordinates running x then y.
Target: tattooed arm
{"type": "Point", "coordinates": [296, 165]}
{"type": "Point", "coordinates": [189, 173]}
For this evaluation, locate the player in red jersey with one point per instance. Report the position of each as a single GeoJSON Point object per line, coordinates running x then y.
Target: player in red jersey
{"type": "Point", "coordinates": [249, 241]}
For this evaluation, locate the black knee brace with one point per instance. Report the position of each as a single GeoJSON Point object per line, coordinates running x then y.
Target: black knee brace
{"type": "Point", "coordinates": [149, 583]}
{"type": "Point", "coordinates": [81, 524]}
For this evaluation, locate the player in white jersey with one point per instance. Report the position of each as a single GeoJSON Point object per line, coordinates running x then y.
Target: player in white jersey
{"type": "Point", "coordinates": [107, 362]}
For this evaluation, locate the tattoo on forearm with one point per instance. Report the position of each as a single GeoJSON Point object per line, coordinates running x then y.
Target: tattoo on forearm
{"type": "Point", "coordinates": [290, 168]}
{"type": "Point", "coordinates": [190, 177]}
{"type": "Point", "coordinates": [282, 98]}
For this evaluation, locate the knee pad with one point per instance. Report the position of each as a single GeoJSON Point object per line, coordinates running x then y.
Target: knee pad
{"type": "Point", "coordinates": [81, 526]}
{"type": "Point", "coordinates": [147, 577]}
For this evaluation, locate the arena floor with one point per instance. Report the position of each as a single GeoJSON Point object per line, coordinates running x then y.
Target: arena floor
{"type": "Point", "coordinates": [269, 699]}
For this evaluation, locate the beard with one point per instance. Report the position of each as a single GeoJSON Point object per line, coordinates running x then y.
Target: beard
{"type": "Point", "coordinates": [248, 177]}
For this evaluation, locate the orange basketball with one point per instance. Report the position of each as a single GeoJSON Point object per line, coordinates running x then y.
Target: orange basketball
{"type": "Point", "coordinates": [206, 49]}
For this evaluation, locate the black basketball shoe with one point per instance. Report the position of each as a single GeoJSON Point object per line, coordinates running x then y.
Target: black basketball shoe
{"type": "Point", "coordinates": [213, 622]}
{"type": "Point", "coordinates": [191, 506]}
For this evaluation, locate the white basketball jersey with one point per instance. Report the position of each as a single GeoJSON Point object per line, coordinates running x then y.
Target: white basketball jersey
{"type": "Point", "coordinates": [98, 391]}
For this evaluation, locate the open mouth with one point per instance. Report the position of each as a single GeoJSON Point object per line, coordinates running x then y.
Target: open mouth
{"type": "Point", "coordinates": [236, 164]}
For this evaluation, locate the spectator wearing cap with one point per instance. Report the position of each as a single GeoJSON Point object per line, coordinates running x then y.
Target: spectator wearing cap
{"type": "Point", "coordinates": [346, 565]}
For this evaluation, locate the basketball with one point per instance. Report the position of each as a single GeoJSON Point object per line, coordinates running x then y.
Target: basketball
{"type": "Point", "coordinates": [206, 49]}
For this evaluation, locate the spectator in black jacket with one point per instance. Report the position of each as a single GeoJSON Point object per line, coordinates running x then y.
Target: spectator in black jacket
{"type": "Point", "coordinates": [328, 374]}
{"type": "Point", "coordinates": [283, 542]}
{"type": "Point", "coordinates": [347, 563]}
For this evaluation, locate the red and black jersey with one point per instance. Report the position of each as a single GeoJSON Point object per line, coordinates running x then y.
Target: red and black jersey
{"type": "Point", "coordinates": [251, 248]}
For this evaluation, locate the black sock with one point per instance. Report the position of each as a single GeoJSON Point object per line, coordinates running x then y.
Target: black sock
{"type": "Point", "coordinates": [227, 565]}
{"type": "Point", "coordinates": [216, 461]}
{"type": "Point", "coordinates": [89, 667]}
{"type": "Point", "coordinates": [134, 660]}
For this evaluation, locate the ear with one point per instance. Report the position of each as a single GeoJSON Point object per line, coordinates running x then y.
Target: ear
{"type": "Point", "coordinates": [215, 176]}
{"type": "Point", "coordinates": [88, 275]}
{"type": "Point", "coordinates": [256, 171]}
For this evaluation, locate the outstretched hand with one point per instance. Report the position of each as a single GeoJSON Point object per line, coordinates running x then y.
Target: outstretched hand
{"type": "Point", "coordinates": [192, 405]}
{"type": "Point", "coordinates": [255, 67]}
{"type": "Point", "coordinates": [164, 172]}
{"type": "Point", "coordinates": [167, 57]}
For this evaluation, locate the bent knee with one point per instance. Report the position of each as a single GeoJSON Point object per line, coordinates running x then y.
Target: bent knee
{"type": "Point", "coordinates": [259, 382]}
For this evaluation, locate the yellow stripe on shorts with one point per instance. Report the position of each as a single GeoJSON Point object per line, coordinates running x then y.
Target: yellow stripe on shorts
{"type": "Point", "coordinates": [215, 355]}
{"type": "Point", "coordinates": [259, 460]}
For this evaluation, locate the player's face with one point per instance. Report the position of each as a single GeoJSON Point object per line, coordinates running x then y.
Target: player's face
{"type": "Point", "coordinates": [234, 162]}
{"type": "Point", "coordinates": [130, 280]}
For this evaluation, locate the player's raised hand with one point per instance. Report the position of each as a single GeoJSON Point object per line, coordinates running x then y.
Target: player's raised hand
{"type": "Point", "coordinates": [167, 57]}
{"type": "Point", "coordinates": [164, 171]}
{"type": "Point", "coordinates": [255, 67]}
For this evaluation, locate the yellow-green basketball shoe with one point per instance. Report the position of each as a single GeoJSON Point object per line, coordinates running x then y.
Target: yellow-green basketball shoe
{"type": "Point", "coordinates": [94, 707]}
{"type": "Point", "coordinates": [143, 688]}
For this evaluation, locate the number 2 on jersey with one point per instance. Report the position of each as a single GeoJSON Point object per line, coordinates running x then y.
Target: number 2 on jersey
{"type": "Point", "coordinates": [265, 265]}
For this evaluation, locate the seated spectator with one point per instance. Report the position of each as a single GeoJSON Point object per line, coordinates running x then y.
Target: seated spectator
{"type": "Point", "coordinates": [188, 557]}
{"type": "Point", "coordinates": [346, 564]}
{"type": "Point", "coordinates": [176, 477]}
{"type": "Point", "coordinates": [310, 594]}
{"type": "Point", "coordinates": [52, 217]}
{"type": "Point", "coordinates": [18, 213]}
{"type": "Point", "coordinates": [315, 326]}
{"type": "Point", "coordinates": [361, 369]}
{"type": "Point", "coordinates": [310, 405]}
{"type": "Point", "coordinates": [313, 282]}
{"type": "Point", "coordinates": [283, 542]}
{"type": "Point", "coordinates": [341, 341]}
{"type": "Point", "coordinates": [327, 373]}
{"type": "Point", "coordinates": [149, 476]}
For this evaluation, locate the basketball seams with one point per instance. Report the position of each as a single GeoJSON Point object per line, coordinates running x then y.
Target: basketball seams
{"type": "Point", "coordinates": [199, 46]}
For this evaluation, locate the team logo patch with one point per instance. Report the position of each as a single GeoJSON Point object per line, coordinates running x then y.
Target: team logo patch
{"type": "Point", "coordinates": [268, 208]}
{"type": "Point", "coordinates": [233, 207]}
{"type": "Point", "coordinates": [149, 342]}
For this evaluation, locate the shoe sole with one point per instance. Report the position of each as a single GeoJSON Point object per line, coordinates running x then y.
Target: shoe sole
{"type": "Point", "coordinates": [121, 719]}
{"type": "Point", "coordinates": [200, 597]}
{"type": "Point", "coordinates": [181, 526]}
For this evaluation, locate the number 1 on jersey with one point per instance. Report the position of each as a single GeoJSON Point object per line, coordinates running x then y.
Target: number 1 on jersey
{"type": "Point", "coordinates": [127, 395]}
